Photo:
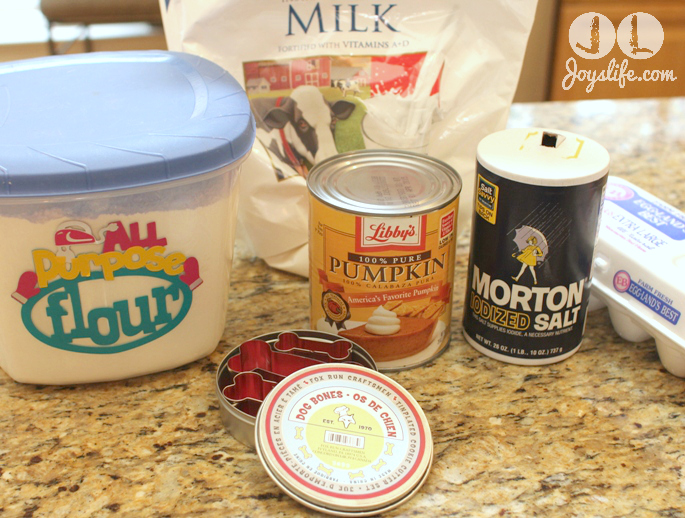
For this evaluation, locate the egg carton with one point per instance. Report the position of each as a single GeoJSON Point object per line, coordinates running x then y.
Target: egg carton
{"type": "Point", "coordinates": [639, 270]}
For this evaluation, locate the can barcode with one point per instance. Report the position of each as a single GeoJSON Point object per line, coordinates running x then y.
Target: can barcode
{"type": "Point", "coordinates": [345, 439]}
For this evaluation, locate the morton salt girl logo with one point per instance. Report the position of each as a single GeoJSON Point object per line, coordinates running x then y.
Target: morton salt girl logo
{"type": "Point", "coordinates": [105, 292]}
{"type": "Point", "coordinates": [532, 251]}
{"type": "Point", "coordinates": [522, 306]}
{"type": "Point", "coordinates": [592, 36]}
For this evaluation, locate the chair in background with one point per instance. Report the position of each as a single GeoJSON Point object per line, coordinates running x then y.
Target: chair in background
{"type": "Point", "coordinates": [85, 13]}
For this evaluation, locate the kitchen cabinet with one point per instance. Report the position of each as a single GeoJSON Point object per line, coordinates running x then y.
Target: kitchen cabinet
{"type": "Point", "coordinates": [671, 56]}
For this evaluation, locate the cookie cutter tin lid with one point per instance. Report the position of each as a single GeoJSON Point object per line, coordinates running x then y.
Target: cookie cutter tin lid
{"type": "Point", "coordinates": [546, 157]}
{"type": "Point", "coordinates": [84, 123]}
{"type": "Point", "coordinates": [344, 440]}
{"type": "Point", "coordinates": [384, 182]}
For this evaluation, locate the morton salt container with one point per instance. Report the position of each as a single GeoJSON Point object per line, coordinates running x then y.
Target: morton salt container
{"type": "Point", "coordinates": [117, 201]}
{"type": "Point", "coordinates": [537, 208]}
{"type": "Point", "coordinates": [382, 244]}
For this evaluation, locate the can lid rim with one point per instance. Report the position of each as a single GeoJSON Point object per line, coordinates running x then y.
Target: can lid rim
{"type": "Point", "coordinates": [339, 182]}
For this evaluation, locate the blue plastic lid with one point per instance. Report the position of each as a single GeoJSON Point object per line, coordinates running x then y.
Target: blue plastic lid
{"type": "Point", "coordinates": [113, 120]}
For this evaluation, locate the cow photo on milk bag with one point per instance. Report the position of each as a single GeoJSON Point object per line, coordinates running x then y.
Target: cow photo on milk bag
{"type": "Point", "coordinates": [537, 207]}
{"type": "Point", "coordinates": [382, 245]}
{"type": "Point", "coordinates": [325, 77]}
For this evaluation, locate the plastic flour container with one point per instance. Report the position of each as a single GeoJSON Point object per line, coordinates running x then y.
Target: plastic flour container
{"type": "Point", "coordinates": [117, 208]}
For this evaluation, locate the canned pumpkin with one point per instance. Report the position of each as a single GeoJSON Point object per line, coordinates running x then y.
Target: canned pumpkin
{"type": "Point", "coordinates": [382, 245]}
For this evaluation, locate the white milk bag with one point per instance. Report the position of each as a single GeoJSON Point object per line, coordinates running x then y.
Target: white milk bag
{"type": "Point", "coordinates": [325, 77]}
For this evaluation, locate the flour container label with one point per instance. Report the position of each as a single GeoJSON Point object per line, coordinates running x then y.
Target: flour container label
{"type": "Point", "coordinates": [108, 291]}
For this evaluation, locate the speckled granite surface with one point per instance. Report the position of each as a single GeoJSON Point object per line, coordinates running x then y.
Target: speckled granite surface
{"type": "Point", "coordinates": [601, 434]}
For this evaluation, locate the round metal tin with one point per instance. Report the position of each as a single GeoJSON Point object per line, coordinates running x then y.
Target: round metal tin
{"type": "Point", "coordinates": [344, 440]}
{"type": "Point", "coordinates": [241, 423]}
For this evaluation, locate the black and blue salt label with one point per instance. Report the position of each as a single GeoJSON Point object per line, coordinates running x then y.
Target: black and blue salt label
{"type": "Point", "coordinates": [530, 266]}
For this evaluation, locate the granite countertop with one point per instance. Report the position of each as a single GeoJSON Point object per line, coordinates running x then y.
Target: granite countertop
{"type": "Point", "coordinates": [600, 434]}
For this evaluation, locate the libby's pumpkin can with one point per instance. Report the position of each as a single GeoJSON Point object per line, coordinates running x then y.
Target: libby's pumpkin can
{"type": "Point", "coordinates": [383, 230]}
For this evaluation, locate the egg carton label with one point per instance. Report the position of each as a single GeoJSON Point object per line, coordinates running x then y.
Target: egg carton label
{"type": "Point", "coordinates": [649, 296]}
{"type": "Point", "coordinates": [105, 292]}
{"type": "Point", "coordinates": [644, 221]}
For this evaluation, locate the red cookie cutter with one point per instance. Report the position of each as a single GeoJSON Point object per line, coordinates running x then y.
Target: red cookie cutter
{"type": "Point", "coordinates": [338, 351]}
{"type": "Point", "coordinates": [256, 366]}
{"type": "Point", "coordinates": [248, 391]}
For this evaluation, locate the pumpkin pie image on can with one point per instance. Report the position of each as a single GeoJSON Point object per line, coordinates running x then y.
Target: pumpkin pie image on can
{"type": "Point", "coordinates": [382, 247]}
